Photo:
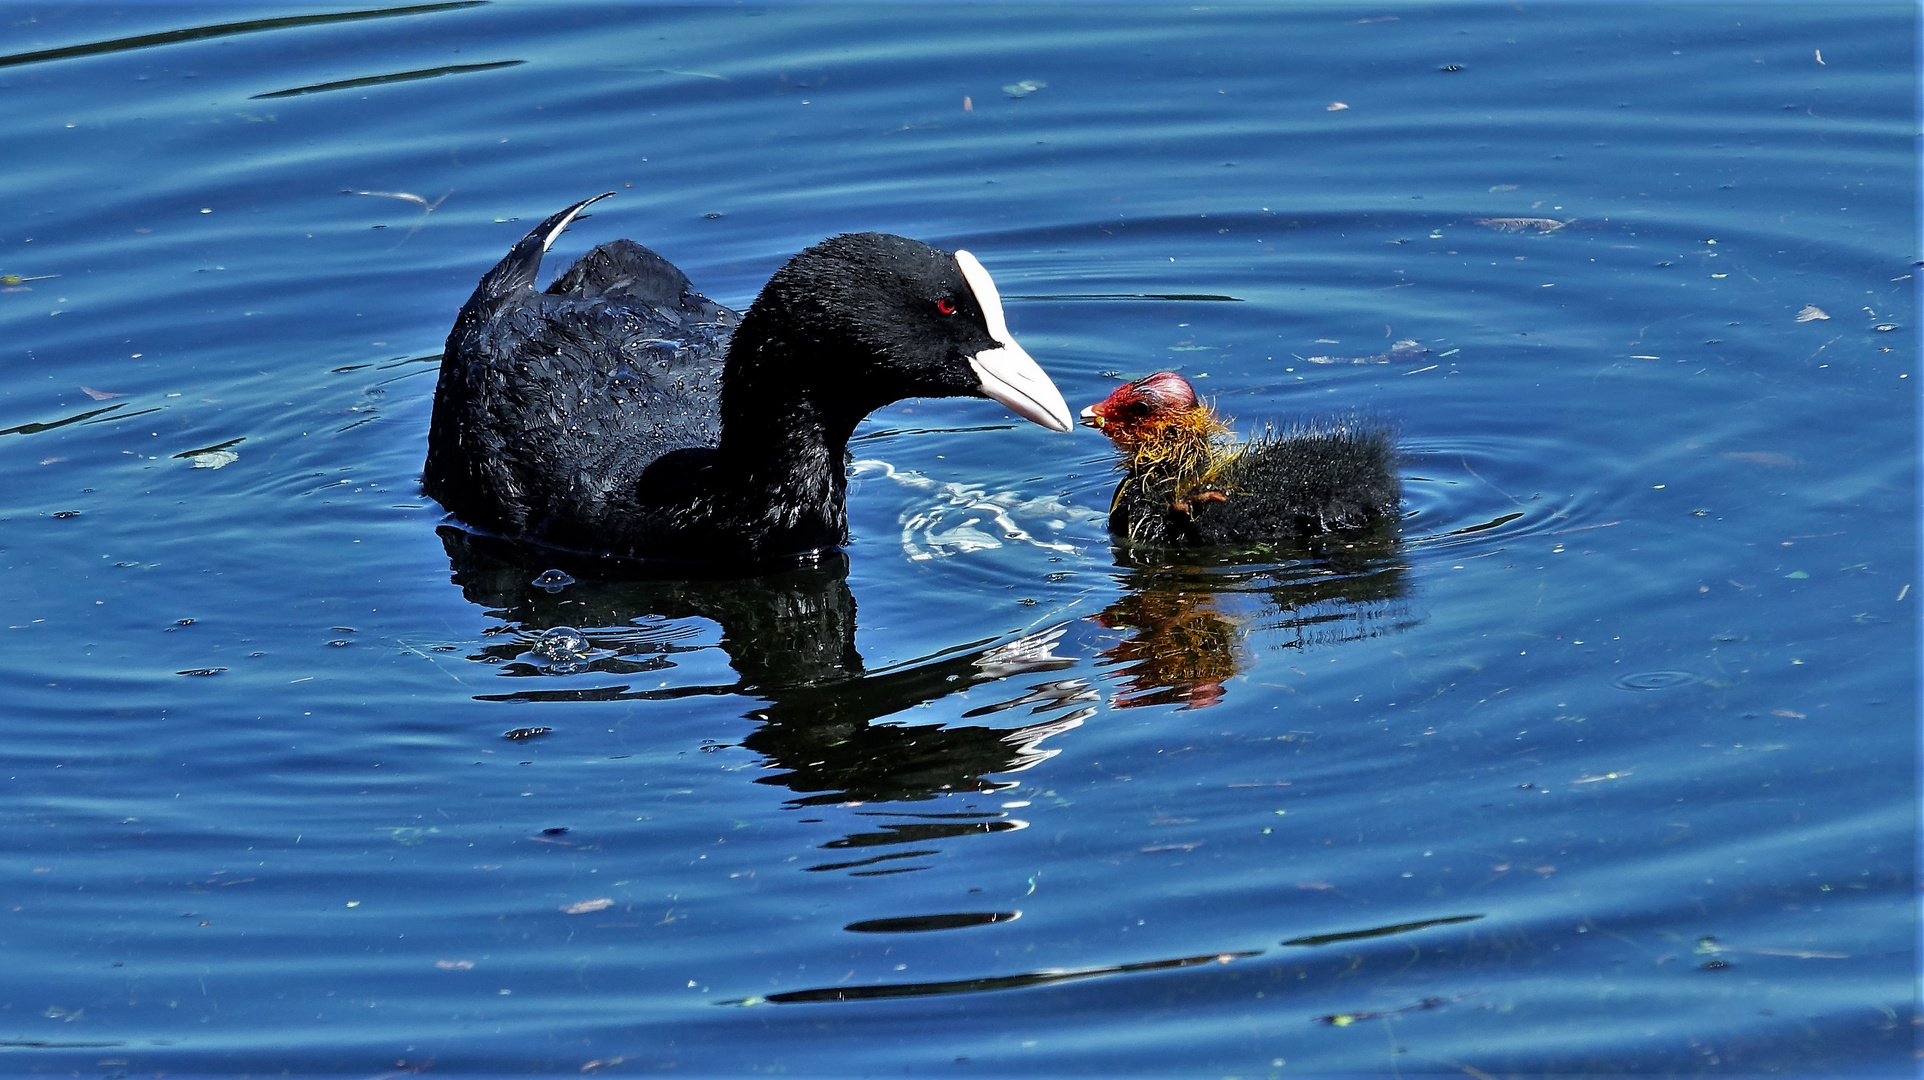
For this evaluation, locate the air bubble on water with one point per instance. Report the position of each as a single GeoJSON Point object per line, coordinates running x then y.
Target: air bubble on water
{"type": "Point", "coordinates": [553, 580]}
{"type": "Point", "coordinates": [562, 649]}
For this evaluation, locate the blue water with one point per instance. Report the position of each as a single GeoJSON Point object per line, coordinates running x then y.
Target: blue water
{"type": "Point", "coordinates": [1605, 761]}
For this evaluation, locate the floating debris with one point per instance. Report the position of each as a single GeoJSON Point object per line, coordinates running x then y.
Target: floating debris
{"type": "Point", "coordinates": [1024, 88]}
{"type": "Point", "coordinates": [215, 459]}
{"type": "Point", "coordinates": [601, 903]}
{"type": "Point", "coordinates": [201, 672]}
{"type": "Point", "coordinates": [100, 395]}
{"type": "Point", "coordinates": [1402, 351]}
{"type": "Point", "coordinates": [1523, 224]}
{"type": "Point", "coordinates": [520, 733]}
{"type": "Point", "coordinates": [1811, 313]}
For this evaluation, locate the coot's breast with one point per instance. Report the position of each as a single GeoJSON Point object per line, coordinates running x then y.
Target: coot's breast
{"type": "Point", "coordinates": [552, 404]}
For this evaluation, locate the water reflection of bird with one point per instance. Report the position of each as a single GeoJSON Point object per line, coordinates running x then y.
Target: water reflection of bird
{"type": "Point", "coordinates": [1181, 650]}
{"type": "Point", "coordinates": [1190, 622]}
{"type": "Point", "coordinates": [1188, 482]}
{"type": "Point", "coordinates": [825, 725]}
{"type": "Point", "coordinates": [620, 412]}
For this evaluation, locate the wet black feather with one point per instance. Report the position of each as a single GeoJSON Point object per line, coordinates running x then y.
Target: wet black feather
{"type": "Point", "coordinates": [1312, 477]}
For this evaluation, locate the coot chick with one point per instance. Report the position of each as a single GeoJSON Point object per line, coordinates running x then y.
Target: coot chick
{"type": "Point", "coordinates": [1188, 481]}
{"type": "Point", "coordinates": [622, 413]}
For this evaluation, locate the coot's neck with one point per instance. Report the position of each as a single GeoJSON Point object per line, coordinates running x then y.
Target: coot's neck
{"type": "Point", "coordinates": [783, 448]}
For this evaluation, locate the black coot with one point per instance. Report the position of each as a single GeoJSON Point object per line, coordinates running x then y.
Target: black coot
{"type": "Point", "coordinates": [1188, 482]}
{"type": "Point", "coordinates": [622, 413]}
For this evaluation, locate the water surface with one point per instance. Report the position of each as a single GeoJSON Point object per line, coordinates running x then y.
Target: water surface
{"type": "Point", "coordinates": [1602, 760]}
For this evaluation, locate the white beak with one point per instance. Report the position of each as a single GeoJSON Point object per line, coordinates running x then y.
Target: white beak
{"type": "Point", "coordinates": [1009, 374]}
{"type": "Point", "coordinates": [1013, 378]}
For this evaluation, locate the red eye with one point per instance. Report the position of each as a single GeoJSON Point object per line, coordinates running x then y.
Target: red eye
{"type": "Point", "coordinates": [945, 305]}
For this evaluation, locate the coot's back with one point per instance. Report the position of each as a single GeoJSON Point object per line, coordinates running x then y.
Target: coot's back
{"type": "Point", "coordinates": [618, 363]}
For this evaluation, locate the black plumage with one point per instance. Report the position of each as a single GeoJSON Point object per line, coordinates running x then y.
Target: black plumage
{"type": "Point", "coordinates": [1188, 482]}
{"type": "Point", "coordinates": [620, 412]}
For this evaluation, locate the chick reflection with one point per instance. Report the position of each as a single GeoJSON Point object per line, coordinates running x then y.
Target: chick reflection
{"type": "Point", "coordinates": [1190, 623]}
{"type": "Point", "coordinates": [790, 638]}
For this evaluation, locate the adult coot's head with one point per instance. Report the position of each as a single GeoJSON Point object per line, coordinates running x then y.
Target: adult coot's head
{"type": "Point", "coordinates": [865, 319]}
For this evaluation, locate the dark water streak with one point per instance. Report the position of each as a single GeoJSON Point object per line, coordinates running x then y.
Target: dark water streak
{"type": "Point", "coordinates": [219, 30]}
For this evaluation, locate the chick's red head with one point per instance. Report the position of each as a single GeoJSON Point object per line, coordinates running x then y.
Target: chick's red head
{"type": "Point", "coordinates": [1147, 399]}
